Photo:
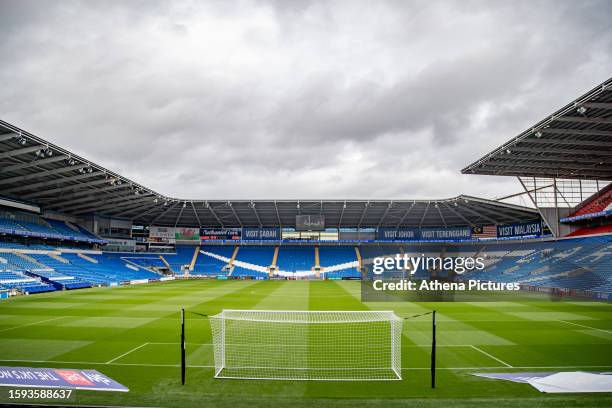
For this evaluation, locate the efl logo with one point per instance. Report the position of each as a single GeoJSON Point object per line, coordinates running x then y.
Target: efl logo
{"type": "Point", "coordinates": [73, 377]}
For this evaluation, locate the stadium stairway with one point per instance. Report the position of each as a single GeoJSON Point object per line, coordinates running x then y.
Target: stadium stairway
{"type": "Point", "coordinates": [194, 259]}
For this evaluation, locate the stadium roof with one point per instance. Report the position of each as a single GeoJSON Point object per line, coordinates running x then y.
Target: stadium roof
{"type": "Point", "coordinates": [35, 171]}
{"type": "Point", "coordinates": [573, 143]}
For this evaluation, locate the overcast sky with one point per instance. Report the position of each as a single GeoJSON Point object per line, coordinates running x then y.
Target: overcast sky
{"type": "Point", "coordinates": [297, 99]}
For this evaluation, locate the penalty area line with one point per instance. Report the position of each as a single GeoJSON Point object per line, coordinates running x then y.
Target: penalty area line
{"type": "Point", "coordinates": [586, 327]}
{"type": "Point", "coordinates": [126, 353]}
{"type": "Point", "coordinates": [33, 323]}
{"type": "Point", "coordinates": [491, 356]}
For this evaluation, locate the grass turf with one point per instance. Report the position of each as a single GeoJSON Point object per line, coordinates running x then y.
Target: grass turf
{"type": "Point", "coordinates": [131, 333]}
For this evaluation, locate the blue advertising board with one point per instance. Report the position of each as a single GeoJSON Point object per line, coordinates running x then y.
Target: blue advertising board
{"type": "Point", "coordinates": [261, 234]}
{"type": "Point", "coordinates": [446, 234]}
{"type": "Point", "coordinates": [220, 234]}
{"type": "Point", "coordinates": [65, 378]}
{"type": "Point", "coordinates": [520, 230]}
{"type": "Point", "coordinates": [398, 234]}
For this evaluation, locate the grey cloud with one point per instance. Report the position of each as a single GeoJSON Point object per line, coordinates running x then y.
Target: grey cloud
{"type": "Point", "coordinates": [275, 99]}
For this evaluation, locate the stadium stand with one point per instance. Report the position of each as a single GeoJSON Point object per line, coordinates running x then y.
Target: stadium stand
{"type": "Point", "coordinates": [599, 202]}
{"type": "Point", "coordinates": [339, 262]}
{"type": "Point", "coordinates": [253, 261]}
{"type": "Point", "coordinates": [580, 263]}
{"type": "Point", "coordinates": [181, 259]}
{"type": "Point", "coordinates": [213, 260]}
{"type": "Point", "coordinates": [601, 229]}
{"type": "Point", "coordinates": [295, 258]}
{"type": "Point", "coordinates": [31, 225]}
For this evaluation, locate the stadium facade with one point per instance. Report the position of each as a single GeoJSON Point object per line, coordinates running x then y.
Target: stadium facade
{"type": "Point", "coordinates": [69, 223]}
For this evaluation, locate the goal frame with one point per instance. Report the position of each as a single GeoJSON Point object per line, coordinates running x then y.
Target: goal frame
{"type": "Point", "coordinates": [219, 340]}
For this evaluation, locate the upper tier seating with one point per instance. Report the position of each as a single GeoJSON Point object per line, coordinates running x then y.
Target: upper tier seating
{"type": "Point", "coordinates": [596, 203]}
{"type": "Point", "coordinates": [23, 225]}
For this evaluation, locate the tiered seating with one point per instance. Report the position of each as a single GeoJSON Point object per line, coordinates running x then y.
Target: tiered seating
{"type": "Point", "coordinates": [570, 264]}
{"type": "Point", "coordinates": [64, 229]}
{"type": "Point", "coordinates": [6, 223]}
{"type": "Point", "coordinates": [335, 255]}
{"type": "Point", "coordinates": [295, 258]}
{"type": "Point", "coordinates": [599, 202]}
{"type": "Point", "coordinates": [260, 256]}
{"type": "Point", "coordinates": [602, 229]}
{"type": "Point", "coordinates": [145, 260]}
{"type": "Point", "coordinates": [61, 281]}
{"type": "Point", "coordinates": [208, 265]}
{"type": "Point", "coordinates": [22, 283]}
{"type": "Point", "coordinates": [32, 225]}
{"type": "Point", "coordinates": [17, 263]}
{"type": "Point", "coordinates": [339, 258]}
{"type": "Point", "coordinates": [183, 256]}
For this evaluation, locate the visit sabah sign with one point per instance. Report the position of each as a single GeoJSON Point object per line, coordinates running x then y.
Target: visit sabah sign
{"type": "Point", "coordinates": [58, 378]}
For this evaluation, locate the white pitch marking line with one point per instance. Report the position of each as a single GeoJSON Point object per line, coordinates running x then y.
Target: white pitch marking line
{"type": "Point", "coordinates": [126, 353]}
{"type": "Point", "coordinates": [491, 356]}
{"type": "Point", "coordinates": [30, 324]}
{"type": "Point", "coordinates": [210, 366]}
{"type": "Point", "coordinates": [586, 327]}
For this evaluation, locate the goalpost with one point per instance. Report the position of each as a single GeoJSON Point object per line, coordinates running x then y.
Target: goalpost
{"type": "Point", "coordinates": [307, 345]}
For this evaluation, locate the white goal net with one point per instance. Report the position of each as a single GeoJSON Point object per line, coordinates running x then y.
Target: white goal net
{"type": "Point", "coordinates": [307, 345]}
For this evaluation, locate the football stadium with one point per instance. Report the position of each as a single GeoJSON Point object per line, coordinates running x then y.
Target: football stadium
{"type": "Point", "coordinates": [116, 293]}
{"type": "Point", "coordinates": [97, 269]}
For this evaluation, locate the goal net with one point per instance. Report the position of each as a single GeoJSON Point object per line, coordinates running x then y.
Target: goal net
{"type": "Point", "coordinates": [307, 345]}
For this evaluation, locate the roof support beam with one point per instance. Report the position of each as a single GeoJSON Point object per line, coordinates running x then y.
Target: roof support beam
{"type": "Point", "coordinates": [113, 204]}
{"type": "Point", "coordinates": [125, 210]}
{"type": "Point", "coordinates": [440, 212]}
{"type": "Point", "coordinates": [568, 142]}
{"type": "Point", "coordinates": [389, 206]}
{"type": "Point", "coordinates": [163, 213]}
{"type": "Point", "coordinates": [61, 189]}
{"type": "Point", "coordinates": [342, 214]}
{"type": "Point", "coordinates": [33, 163]}
{"type": "Point", "coordinates": [579, 132]}
{"type": "Point", "coordinates": [195, 212]}
{"type": "Point", "coordinates": [252, 205]}
{"type": "Point", "coordinates": [229, 203]}
{"type": "Point", "coordinates": [424, 214]}
{"type": "Point", "coordinates": [365, 209]}
{"type": "Point", "coordinates": [405, 215]}
{"type": "Point", "coordinates": [598, 105]}
{"type": "Point", "coordinates": [479, 214]}
{"type": "Point", "coordinates": [280, 223]}
{"type": "Point", "coordinates": [41, 174]}
{"type": "Point", "coordinates": [109, 205]}
{"type": "Point", "coordinates": [470, 223]}
{"type": "Point", "coordinates": [147, 212]}
{"type": "Point", "coordinates": [178, 218]}
{"type": "Point", "coordinates": [8, 136]}
{"type": "Point", "coordinates": [87, 195]}
{"type": "Point", "coordinates": [531, 165]}
{"type": "Point", "coordinates": [57, 181]}
{"type": "Point", "coordinates": [22, 151]}
{"type": "Point", "coordinates": [212, 211]}
{"type": "Point", "coordinates": [595, 152]}
{"type": "Point", "coordinates": [583, 119]}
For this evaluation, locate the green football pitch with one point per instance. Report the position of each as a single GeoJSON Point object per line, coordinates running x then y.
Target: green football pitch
{"type": "Point", "coordinates": [131, 334]}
